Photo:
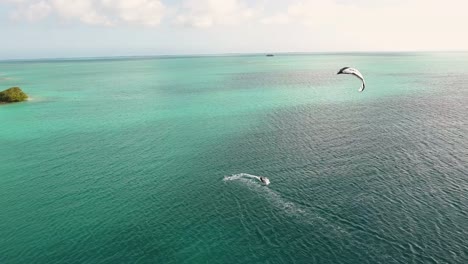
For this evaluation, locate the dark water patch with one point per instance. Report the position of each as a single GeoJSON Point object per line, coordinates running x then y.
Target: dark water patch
{"type": "Point", "coordinates": [389, 173]}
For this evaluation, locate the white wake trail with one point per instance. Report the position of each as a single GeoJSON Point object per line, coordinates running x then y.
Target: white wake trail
{"type": "Point", "coordinates": [253, 182]}
{"type": "Point", "coordinates": [241, 176]}
{"type": "Point", "coordinates": [294, 210]}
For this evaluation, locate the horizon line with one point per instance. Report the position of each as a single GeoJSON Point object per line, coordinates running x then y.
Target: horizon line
{"type": "Point", "coordinates": [227, 54]}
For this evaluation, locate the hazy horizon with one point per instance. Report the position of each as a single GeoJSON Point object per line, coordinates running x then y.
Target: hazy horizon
{"type": "Point", "coordinates": [183, 55]}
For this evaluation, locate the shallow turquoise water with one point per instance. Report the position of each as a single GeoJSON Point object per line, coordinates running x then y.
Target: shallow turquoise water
{"type": "Point", "coordinates": [141, 160]}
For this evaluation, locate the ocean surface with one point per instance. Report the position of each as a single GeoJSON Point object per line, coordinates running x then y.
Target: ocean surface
{"type": "Point", "coordinates": [155, 160]}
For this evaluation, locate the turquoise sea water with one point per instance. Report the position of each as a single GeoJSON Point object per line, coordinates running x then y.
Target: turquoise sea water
{"type": "Point", "coordinates": [152, 160]}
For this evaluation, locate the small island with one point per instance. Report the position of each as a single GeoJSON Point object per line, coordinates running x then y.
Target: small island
{"type": "Point", "coordinates": [12, 95]}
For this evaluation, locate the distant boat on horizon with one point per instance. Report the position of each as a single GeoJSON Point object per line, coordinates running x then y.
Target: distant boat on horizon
{"type": "Point", "coordinates": [270, 55]}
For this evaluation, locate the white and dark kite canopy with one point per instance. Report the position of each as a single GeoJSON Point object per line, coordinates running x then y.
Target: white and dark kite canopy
{"type": "Point", "coordinates": [355, 72]}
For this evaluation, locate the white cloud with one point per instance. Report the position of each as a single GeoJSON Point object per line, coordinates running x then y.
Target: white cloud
{"type": "Point", "coordinates": [32, 12]}
{"type": "Point", "coordinates": [92, 12]}
{"type": "Point", "coordinates": [206, 13]}
{"type": "Point", "coordinates": [84, 10]}
{"type": "Point", "coordinates": [142, 12]}
{"type": "Point", "coordinates": [312, 13]}
{"type": "Point", "coordinates": [278, 19]}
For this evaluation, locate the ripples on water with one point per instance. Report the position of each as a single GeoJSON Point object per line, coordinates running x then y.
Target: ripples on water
{"type": "Point", "coordinates": [139, 174]}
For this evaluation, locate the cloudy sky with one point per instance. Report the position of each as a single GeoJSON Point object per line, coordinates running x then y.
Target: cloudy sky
{"type": "Point", "coordinates": [87, 28]}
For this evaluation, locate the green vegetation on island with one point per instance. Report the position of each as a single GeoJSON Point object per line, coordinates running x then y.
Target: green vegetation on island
{"type": "Point", "coordinates": [12, 95]}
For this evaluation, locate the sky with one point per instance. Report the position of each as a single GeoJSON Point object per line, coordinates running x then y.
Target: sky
{"type": "Point", "coordinates": [98, 28]}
